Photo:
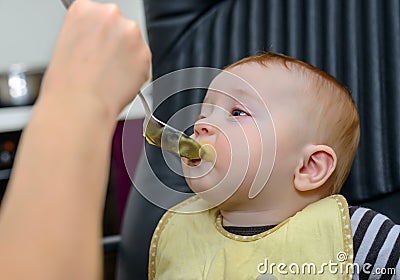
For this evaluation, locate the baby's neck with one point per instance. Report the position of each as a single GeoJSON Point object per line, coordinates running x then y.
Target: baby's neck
{"type": "Point", "coordinates": [254, 218]}
{"type": "Point", "coordinates": [266, 211]}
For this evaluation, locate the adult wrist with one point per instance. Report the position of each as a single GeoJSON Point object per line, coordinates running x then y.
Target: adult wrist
{"type": "Point", "coordinates": [84, 108]}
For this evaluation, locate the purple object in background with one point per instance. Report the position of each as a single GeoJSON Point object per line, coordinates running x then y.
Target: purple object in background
{"type": "Point", "coordinates": [119, 176]}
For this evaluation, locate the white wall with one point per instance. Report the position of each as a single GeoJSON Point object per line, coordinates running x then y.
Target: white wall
{"type": "Point", "coordinates": [29, 28]}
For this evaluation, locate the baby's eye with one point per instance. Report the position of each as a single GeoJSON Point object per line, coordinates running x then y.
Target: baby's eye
{"type": "Point", "coordinates": [238, 113]}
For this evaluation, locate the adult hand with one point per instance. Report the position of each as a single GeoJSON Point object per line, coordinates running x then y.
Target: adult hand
{"type": "Point", "coordinates": [99, 52]}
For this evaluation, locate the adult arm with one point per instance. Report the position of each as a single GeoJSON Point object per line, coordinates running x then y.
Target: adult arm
{"type": "Point", "coordinates": [50, 220]}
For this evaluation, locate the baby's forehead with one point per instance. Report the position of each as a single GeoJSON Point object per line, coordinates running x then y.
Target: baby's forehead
{"type": "Point", "coordinates": [255, 80]}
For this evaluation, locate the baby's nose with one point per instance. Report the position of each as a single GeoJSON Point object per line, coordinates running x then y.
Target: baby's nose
{"type": "Point", "coordinates": [202, 129]}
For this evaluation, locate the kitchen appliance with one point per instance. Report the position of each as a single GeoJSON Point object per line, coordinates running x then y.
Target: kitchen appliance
{"type": "Point", "coordinates": [8, 146]}
{"type": "Point", "coordinates": [20, 86]}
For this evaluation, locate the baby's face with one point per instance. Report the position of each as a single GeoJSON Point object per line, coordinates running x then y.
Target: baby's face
{"type": "Point", "coordinates": [248, 118]}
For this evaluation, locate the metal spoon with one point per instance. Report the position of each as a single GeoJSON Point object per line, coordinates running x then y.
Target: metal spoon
{"type": "Point", "coordinates": [168, 138]}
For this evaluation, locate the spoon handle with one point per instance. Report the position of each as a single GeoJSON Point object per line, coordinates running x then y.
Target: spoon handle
{"type": "Point", "coordinates": [145, 104]}
{"type": "Point", "coordinates": [67, 3]}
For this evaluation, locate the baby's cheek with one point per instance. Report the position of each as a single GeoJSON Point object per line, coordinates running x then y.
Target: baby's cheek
{"type": "Point", "coordinates": [223, 150]}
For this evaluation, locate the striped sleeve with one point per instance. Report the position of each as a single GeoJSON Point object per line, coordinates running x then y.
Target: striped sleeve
{"type": "Point", "coordinates": [376, 244]}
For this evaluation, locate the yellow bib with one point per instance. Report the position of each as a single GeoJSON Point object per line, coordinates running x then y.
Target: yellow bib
{"type": "Point", "coordinates": [316, 243]}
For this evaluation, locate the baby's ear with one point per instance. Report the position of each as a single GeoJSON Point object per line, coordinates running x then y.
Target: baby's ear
{"type": "Point", "coordinates": [315, 168]}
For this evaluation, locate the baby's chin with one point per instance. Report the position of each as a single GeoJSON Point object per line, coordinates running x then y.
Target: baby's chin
{"type": "Point", "coordinates": [211, 192]}
{"type": "Point", "coordinates": [198, 185]}
{"type": "Point", "coordinates": [201, 177]}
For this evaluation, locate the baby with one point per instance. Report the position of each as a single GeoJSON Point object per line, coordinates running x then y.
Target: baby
{"type": "Point", "coordinates": [284, 136]}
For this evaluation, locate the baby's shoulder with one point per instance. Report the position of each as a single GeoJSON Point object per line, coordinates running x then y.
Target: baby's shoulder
{"type": "Point", "coordinates": [376, 239]}
{"type": "Point", "coordinates": [369, 226]}
{"type": "Point", "coordinates": [362, 219]}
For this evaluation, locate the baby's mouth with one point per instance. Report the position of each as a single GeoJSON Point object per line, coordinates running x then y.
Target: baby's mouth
{"type": "Point", "coordinates": [206, 153]}
{"type": "Point", "coordinates": [193, 162]}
